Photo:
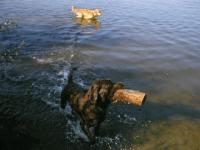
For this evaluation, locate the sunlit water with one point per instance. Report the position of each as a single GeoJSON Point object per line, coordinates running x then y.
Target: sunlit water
{"type": "Point", "coordinates": [151, 46]}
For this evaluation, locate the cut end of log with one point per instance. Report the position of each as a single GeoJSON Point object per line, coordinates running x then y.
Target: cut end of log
{"type": "Point", "coordinates": [136, 98]}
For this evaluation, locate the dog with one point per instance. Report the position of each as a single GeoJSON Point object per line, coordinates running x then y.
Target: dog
{"type": "Point", "coordinates": [90, 104]}
{"type": "Point", "coordinates": [86, 13]}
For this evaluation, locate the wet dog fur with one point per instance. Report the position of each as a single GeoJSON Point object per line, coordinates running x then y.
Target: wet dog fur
{"type": "Point", "coordinates": [90, 104]}
{"type": "Point", "coordinates": [86, 13]}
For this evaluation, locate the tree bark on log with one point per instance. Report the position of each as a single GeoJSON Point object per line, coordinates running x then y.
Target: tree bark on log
{"type": "Point", "coordinates": [136, 98]}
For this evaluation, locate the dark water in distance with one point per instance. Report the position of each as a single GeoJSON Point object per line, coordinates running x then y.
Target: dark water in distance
{"type": "Point", "coordinates": [148, 45]}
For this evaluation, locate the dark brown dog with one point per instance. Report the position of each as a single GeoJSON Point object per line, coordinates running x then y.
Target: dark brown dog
{"type": "Point", "coordinates": [91, 104]}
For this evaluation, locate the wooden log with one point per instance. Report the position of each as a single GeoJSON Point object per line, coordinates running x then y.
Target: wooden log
{"type": "Point", "coordinates": [136, 98]}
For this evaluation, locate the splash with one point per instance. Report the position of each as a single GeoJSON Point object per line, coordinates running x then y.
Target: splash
{"type": "Point", "coordinates": [7, 24]}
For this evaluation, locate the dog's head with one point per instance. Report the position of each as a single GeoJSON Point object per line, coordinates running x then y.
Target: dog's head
{"type": "Point", "coordinates": [101, 91]}
{"type": "Point", "coordinates": [97, 12]}
{"type": "Point", "coordinates": [99, 97]}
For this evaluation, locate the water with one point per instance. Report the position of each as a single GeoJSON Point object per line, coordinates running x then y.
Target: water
{"type": "Point", "coordinates": [151, 46]}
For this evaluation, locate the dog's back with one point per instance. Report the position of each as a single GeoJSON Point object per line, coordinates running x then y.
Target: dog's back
{"type": "Point", "coordinates": [86, 13]}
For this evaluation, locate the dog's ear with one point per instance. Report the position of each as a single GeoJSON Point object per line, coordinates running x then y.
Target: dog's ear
{"type": "Point", "coordinates": [93, 91]}
{"type": "Point", "coordinates": [100, 90]}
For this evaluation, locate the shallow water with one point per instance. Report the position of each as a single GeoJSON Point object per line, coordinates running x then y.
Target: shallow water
{"type": "Point", "coordinates": [152, 46]}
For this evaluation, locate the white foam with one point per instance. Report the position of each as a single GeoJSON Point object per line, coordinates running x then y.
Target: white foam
{"type": "Point", "coordinates": [44, 61]}
{"type": "Point", "coordinates": [65, 74]}
{"type": "Point", "coordinates": [68, 109]}
{"type": "Point", "coordinates": [73, 123]}
{"type": "Point", "coordinates": [76, 130]}
{"type": "Point", "coordinates": [109, 141]}
{"type": "Point", "coordinates": [52, 104]}
{"type": "Point", "coordinates": [126, 119]}
{"type": "Point", "coordinates": [57, 89]}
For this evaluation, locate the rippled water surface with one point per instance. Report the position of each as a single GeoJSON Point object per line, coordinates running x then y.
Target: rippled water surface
{"type": "Point", "coordinates": [148, 45]}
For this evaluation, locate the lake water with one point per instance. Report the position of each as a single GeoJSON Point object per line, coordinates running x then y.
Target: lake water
{"type": "Point", "coordinates": [148, 45]}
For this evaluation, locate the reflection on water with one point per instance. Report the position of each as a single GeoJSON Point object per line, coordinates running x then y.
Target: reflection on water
{"type": "Point", "coordinates": [88, 22]}
{"type": "Point", "coordinates": [149, 45]}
